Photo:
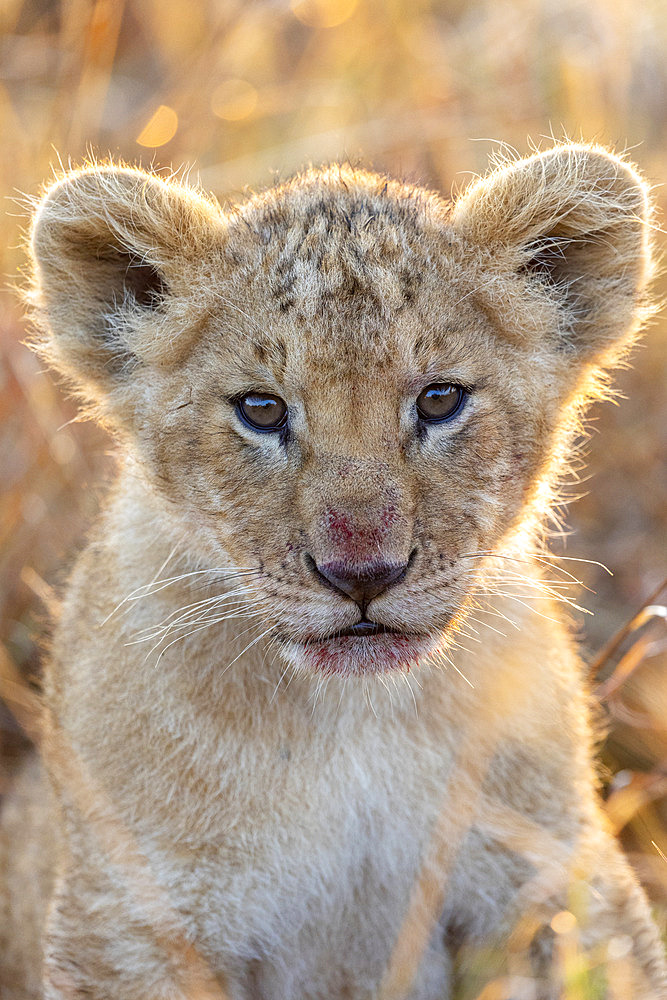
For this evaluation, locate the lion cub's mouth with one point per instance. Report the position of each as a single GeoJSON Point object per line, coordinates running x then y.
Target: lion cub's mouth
{"type": "Point", "coordinates": [365, 648]}
{"type": "Point", "coordinates": [365, 628]}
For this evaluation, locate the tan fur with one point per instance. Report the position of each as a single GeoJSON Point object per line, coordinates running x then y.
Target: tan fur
{"type": "Point", "coordinates": [245, 807]}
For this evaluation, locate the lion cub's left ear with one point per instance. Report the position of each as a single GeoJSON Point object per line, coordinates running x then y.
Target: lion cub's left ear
{"type": "Point", "coordinates": [573, 222]}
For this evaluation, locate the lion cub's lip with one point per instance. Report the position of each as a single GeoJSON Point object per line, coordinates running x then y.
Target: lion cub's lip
{"type": "Point", "coordinates": [362, 630]}
{"type": "Point", "coordinates": [374, 649]}
{"type": "Point", "coordinates": [366, 628]}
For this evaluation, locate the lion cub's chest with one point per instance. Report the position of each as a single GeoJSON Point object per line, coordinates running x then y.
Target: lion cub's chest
{"type": "Point", "coordinates": [276, 861]}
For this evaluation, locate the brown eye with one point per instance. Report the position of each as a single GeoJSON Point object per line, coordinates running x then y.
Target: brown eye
{"type": "Point", "coordinates": [440, 401]}
{"type": "Point", "coordinates": [262, 411]}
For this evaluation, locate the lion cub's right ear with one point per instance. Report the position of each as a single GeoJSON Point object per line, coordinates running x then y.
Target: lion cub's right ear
{"type": "Point", "coordinates": [118, 254]}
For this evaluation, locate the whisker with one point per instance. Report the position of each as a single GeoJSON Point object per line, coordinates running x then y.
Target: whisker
{"type": "Point", "coordinates": [369, 700]}
{"type": "Point", "coordinates": [320, 686]}
{"type": "Point", "coordinates": [513, 597]}
{"type": "Point", "coordinates": [406, 677]}
{"type": "Point", "coordinates": [553, 560]}
{"type": "Point", "coordinates": [280, 680]}
{"type": "Point", "coordinates": [145, 589]}
{"type": "Point", "coordinates": [186, 635]}
{"type": "Point", "coordinates": [199, 612]}
{"type": "Point", "coordinates": [245, 612]}
{"type": "Point", "coordinates": [193, 608]}
{"type": "Point", "coordinates": [159, 585]}
{"type": "Point", "coordinates": [496, 614]}
{"type": "Point", "coordinates": [489, 626]}
{"type": "Point", "coordinates": [441, 655]}
{"type": "Point", "coordinates": [246, 648]}
{"type": "Point", "coordinates": [384, 684]}
{"type": "Point", "coordinates": [522, 598]}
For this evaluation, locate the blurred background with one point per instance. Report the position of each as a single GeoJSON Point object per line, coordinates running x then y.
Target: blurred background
{"type": "Point", "coordinates": [243, 93]}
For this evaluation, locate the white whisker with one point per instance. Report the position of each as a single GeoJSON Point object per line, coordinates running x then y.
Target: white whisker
{"type": "Point", "coordinates": [186, 635]}
{"type": "Point", "coordinates": [139, 593]}
{"type": "Point", "coordinates": [249, 646]}
{"type": "Point", "coordinates": [197, 605]}
{"type": "Point", "coordinates": [225, 599]}
{"type": "Point", "coordinates": [441, 655]}
{"type": "Point", "coordinates": [406, 677]}
{"type": "Point", "coordinates": [203, 622]}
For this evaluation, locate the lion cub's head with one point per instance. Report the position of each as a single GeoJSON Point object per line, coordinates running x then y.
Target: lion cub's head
{"type": "Point", "coordinates": [347, 384]}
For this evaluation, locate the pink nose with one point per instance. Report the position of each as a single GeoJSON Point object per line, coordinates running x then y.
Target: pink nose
{"type": "Point", "coordinates": [361, 582]}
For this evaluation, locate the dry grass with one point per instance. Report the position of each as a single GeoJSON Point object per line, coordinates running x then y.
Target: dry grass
{"type": "Point", "coordinates": [244, 92]}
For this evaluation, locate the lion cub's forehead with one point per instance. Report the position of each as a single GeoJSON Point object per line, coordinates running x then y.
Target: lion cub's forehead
{"type": "Point", "coordinates": [339, 201]}
{"type": "Point", "coordinates": [339, 242]}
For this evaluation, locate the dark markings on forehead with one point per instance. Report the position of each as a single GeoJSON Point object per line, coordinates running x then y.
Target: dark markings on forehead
{"type": "Point", "coordinates": [259, 349]}
{"type": "Point", "coordinates": [270, 352]}
{"type": "Point", "coordinates": [419, 345]}
{"type": "Point", "coordinates": [283, 283]}
{"type": "Point", "coordinates": [281, 359]}
{"type": "Point", "coordinates": [341, 248]}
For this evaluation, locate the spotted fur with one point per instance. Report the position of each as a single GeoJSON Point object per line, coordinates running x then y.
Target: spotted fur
{"type": "Point", "coordinates": [249, 801]}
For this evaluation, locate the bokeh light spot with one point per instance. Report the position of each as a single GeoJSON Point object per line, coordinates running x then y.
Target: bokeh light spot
{"type": "Point", "coordinates": [564, 922]}
{"type": "Point", "coordinates": [323, 13]}
{"type": "Point", "coordinates": [160, 128]}
{"type": "Point", "coordinates": [234, 100]}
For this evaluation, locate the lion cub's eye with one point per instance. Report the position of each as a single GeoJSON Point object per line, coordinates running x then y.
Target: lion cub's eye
{"type": "Point", "coordinates": [440, 401]}
{"type": "Point", "coordinates": [262, 411]}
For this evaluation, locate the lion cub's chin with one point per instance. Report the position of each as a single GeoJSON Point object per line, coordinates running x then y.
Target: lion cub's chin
{"type": "Point", "coordinates": [358, 656]}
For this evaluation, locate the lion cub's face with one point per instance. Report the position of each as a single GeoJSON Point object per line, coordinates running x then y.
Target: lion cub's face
{"type": "Point", "coordinates": [354, 419]}
{"type": "Point", "coordinates": [347, 388]}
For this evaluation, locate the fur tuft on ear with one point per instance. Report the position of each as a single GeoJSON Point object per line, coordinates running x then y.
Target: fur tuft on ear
{"type": "Point", "coordinates": [115, 251]}
{"type": "Point", "coordinates": [573, 222]}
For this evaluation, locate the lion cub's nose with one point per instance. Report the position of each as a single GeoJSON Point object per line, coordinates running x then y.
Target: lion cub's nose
{"type": "Point", "coordinates": [361, 582]}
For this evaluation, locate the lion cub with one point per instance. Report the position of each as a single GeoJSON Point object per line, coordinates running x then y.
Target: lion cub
{"type": "Point", "coordinates": [314, 725]}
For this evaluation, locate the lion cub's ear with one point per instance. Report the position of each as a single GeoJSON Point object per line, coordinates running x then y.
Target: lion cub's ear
{"type": "Point", "coordinates": [573, 222]}
{"type": "Point", "coordinates": [118, 254]}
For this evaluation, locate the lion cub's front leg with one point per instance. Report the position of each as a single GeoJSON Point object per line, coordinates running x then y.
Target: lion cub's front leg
{"type": "Point", "coordinates": [96, 947]}
{"type": "Point", "coordinates": [579, 923]}
{"type": "Point", "coordinates": [618, 929]}
{"type": "Point", "coordinates": [111, 929]}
